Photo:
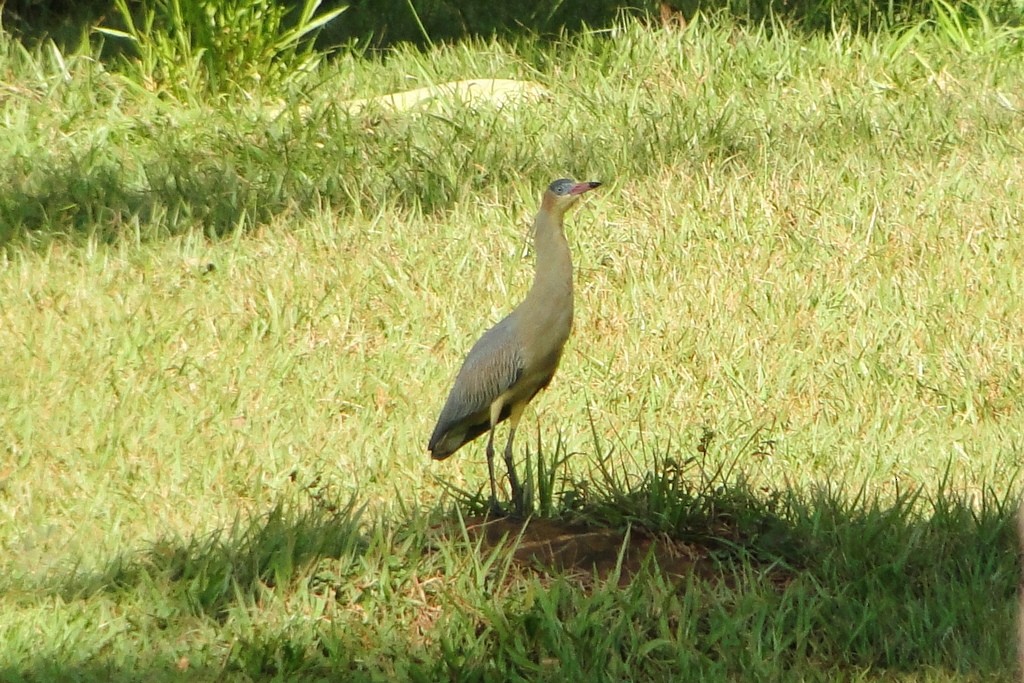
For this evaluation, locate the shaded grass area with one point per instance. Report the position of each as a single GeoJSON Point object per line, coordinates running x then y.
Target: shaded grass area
{"type": "Point", "coordinates": [822, 583]}
{"type": "Point", "coordinates": [387, 23]}
{"type": "Point", "coordinates": [93, 154]}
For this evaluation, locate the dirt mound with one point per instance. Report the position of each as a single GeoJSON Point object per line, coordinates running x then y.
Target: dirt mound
{"type": "Point", "coordinates": [568, 548]}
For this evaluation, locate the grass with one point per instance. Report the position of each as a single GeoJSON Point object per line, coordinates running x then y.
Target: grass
{"type": "Point", "coordinates": [797, 353]}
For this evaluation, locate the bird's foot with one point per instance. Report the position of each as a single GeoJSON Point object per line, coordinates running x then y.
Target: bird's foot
{"type": "Point", "coordinates": [514, 509]}
{"type": "Point", "coordinates": [497, 509]}
{"type": "Point", "coordinates": [518, 505]}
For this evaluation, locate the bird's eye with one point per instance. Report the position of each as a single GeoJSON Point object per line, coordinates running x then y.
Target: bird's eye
{"type": "Point", "coordinates": [562, 186]}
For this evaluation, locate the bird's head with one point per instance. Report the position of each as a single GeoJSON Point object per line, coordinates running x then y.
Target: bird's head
{"type": "Point", "coordinates": [563, 193]}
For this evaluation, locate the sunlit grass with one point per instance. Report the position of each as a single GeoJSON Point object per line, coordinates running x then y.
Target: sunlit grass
{"type": "Point", "coordinates": [802, 272]}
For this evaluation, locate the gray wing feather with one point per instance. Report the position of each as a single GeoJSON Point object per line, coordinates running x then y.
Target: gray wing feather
{"type": "Point", "coordinates": [493, 365]}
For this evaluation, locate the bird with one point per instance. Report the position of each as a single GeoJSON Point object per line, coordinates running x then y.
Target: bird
{"type": "Point", "coordinates": [517, 357]}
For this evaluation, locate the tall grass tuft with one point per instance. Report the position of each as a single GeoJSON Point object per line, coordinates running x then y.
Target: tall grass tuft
{"type": "Point", "coordinates": [189, 46]}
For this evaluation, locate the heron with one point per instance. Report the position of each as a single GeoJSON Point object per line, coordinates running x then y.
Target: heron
{"type": "Point", "coordinates": [517, 357]}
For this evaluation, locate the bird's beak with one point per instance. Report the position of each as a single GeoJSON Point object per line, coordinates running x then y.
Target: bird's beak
{"type": "Point", "coordinates": [580, 188]}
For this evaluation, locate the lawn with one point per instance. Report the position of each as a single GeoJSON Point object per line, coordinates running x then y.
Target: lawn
{"type": "Point", "coordinates": [783, 443]}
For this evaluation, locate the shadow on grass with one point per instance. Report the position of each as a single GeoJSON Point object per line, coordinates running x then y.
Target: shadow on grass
{"type": "Point", "coordinates": [230, 173]}
{"type": "Point", "coordinates": [108, 192]}
{"type": "Point", "coordinates": [684, 574]}
{"type": "Point", "coordinates": [384, 23]}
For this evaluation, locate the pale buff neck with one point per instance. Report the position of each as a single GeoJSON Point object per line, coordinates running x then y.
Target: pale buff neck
{"type": "Point", "coordinates": [553, 276]}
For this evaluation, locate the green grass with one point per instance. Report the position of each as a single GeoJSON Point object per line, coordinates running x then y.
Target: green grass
{"type": "Point", "coordinates": [798, 347]}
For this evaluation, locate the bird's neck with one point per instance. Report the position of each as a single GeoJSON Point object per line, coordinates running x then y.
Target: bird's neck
{"type": "Point", "coordinates": [553, 277]}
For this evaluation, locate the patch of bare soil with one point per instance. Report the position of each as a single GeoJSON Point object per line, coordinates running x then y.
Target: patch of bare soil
{"type": "Point", "coordinates": [568, 548]}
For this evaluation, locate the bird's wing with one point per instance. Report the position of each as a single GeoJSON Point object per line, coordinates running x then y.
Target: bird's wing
{"type": "Point", "coordinates": [494, 364]}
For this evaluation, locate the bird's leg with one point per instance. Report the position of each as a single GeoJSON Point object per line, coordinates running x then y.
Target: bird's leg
{"type": "Point", "coordinates": [513, 479]}
{"type": "Point", "coordinates": [495, 508]}
{"type": "Point", "coordinates": [518, 501]}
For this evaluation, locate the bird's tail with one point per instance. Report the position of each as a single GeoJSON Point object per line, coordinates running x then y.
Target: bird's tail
{"type": "Point", "coordinates": [438, 453]}
{"type": "Point", "coordinates": [444, 443]}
